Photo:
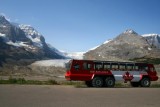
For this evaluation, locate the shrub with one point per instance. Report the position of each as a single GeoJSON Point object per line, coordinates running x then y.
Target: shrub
{"type": "Point", "coordinates": [52, 82]}
{"type": "Point", "coordinates": [12, 80]}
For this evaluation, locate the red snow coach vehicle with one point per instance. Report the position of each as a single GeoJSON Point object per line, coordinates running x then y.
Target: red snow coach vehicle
{"type": "Point", "coordinates": [106, 73]}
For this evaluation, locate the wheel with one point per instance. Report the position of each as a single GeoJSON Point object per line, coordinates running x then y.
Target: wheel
{"type": "Point", "coordinates": [88, 83]}
{"type": "Point", "coordinates": [134, 84]}
{"type": "Point", "coordinates": [145, 82]}
{"type": "Point", "coordinates": [97, 82]}
{"type": "Point", "coordinates": [110, 82]}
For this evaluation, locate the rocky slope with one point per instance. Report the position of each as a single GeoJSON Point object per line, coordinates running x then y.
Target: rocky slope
{"type": "Point", "coordinates": [126, 46]}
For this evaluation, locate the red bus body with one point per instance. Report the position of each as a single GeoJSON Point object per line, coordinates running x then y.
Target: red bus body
{"type": "Point", "coordinates": [87, 70]}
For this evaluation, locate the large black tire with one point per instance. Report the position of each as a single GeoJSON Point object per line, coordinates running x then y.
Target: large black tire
{"type": "Point", "coordinates": [145, 82]}
{"type": "Point", "coordinates": [109, 82]}
{"type": "Point", "coordinates": [97, 82]}
{"type": "Point", "coordinates": [135, 84]}
{"type": "Point", "coordinates": [88, 83]}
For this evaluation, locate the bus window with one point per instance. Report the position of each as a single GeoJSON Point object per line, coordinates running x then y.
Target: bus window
{"type": "Point", "coordinates": [143, 68]}
{"type": "Point", "coordinates": [98, 66]}
{"type": "Point", "coordinates": [136, 67]}
{"type": "Point", "coordinates": [86, 66]}
{"type": "Point", "coordinates": [152, 69]}
{"type": "Point", "coordinates": [122, 66]}
{"type": "Point", "coordinates": [68, 65]}
{"type": "Point", "coordinates": [130, 67]}
{"type": "Point", "coordinates": [76, 66]}
{"type": "Point", "coordinates": [107, 66]}
{"type": "Point", "coordinates": [146, 68]}
{"type": "Point", "coordinates": [114, 66]}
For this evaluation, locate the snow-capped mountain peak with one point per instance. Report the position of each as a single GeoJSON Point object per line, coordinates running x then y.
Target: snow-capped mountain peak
{"type": "Point", "coordinates": [25, 40]}
{"type": "Point", "coordinates": [29, 30]}
{"type": "Point", "coordinates": [3, 20]}
{"type": "Point", "coordinates": [129, 31]}
{"type": "Point", "coordinates": [32, 34]}
{"type": "Point", "coordinates": [153, 39]}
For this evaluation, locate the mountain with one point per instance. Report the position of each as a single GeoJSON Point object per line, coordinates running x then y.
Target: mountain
{"type": "Point", "coordinates": [126, 46]}
{"type": "Point", "coordinates": [67, 55]}
{"type": "Point", "coordinates": [153, 40]}
{"type": "Point", "coordinates": [57, 51]}
{"type": "Point", "coordinates": [11, 33]}
{"type": "Point", "coordinates": [100, 45]}
{"type": "Point", "coordinates": [23, 42]}
{"type": "Point", "coordinates": [37, 39]}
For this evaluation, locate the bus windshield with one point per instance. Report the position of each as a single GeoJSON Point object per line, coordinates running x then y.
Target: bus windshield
{"type": "Point", "coordinates": [68, 65]}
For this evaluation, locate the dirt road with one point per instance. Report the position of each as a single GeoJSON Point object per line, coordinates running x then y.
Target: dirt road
{"type": "Point", "coordinates": [68, 96]}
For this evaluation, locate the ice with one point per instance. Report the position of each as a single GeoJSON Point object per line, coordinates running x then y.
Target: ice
{"type": "Point", "coordinates": [153, 39]}
{"type": "Point", "coordinates": [17, 44]}
{"type": "Point", "coordinates": [36, 41]}
{"type": "Point", "coordinates": [56, 63]}
{"type": "Point", "coordinates": [148, 35]}
{"type": "Point", "coordinates": [75, 55]}
{"type": "Point", "coordinates": [3, 26]}
{"type": "Point", "coordinates": [2, 35]}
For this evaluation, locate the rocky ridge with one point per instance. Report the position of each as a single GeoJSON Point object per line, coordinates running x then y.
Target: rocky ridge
{"type": "Point", "coordinates": [126, 46]}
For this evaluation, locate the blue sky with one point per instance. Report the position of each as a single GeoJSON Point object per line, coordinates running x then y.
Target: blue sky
{"type": "Point", "coordinates": [78, 25]}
